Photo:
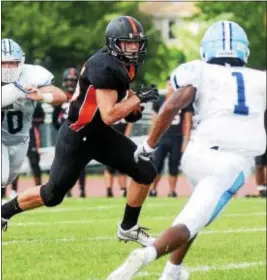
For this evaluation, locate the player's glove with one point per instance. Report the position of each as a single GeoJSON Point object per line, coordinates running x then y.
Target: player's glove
{"type": "Point", "coordinates": [135, 115]}
{"type": "Point", "coordinates": [148, 93]}
{"type": "Point", "coordinates": [143, 152]}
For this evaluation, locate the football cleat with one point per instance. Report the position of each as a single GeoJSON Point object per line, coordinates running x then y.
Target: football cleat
{"type": "Point", "coordinates": [4, 224]}
{"type": "Point", "coordinates": [153, 193]}
{"type": "Point", "coordinates": [172, 194]}
{"type": "Point", "coordinates": [130, 267]}
{"type": "Point", "coordinates": [179, 273]}
{"type": "Point", "coordinates": [137, 234]}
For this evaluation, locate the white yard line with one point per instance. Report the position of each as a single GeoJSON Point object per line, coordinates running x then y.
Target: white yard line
{"type": "Point", "coordinates": [100, 220]}
{"type": "Point", "coordinates": [98, 238]}
{"type": "Point", "coordinates": [203, 268]}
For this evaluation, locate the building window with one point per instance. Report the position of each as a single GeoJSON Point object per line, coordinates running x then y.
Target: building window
{"type": "Point", "coordinates": [171, 35]}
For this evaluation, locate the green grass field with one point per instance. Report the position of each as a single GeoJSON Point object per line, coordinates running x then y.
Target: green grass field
{"type": "Point", "coordinates": [78, 241]}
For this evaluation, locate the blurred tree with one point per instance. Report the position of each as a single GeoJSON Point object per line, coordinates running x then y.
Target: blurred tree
{"type": "Point", "coordinates": [249, 14]}
{"type": "Point", "coordinates": [66, 33]}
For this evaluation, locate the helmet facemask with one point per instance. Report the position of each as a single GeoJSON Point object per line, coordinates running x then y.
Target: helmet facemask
{"type": "Point", "coordinates": [128, 58]}
{"type": "Point", "coordinates": [10, 75]}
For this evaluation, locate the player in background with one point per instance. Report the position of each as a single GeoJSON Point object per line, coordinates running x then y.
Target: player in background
{"type": "Point", "coordinates": [172, 143]}
{"type": "Point", "coordinates": [97, 104]}
{"type": "Point", "coordinates": [230, 100]}
{"type": "Point", "coordinates": [60, 114]}
{"type": "Point", "coordinates": [261, 168]}
{"type": "Point", "coordinates": [125, 128]}
{"type": "Point", "coordinates": [33, 151]}
{"type": "Point", "coordinates": [22, 85]}
{"type": "Point", "coordinates": [34, 146]}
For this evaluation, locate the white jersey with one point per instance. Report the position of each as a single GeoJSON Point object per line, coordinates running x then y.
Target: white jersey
{"type": "Point", "coordinates": [17, 117]}
{"type": "Point", "coordinates": [230, 103]}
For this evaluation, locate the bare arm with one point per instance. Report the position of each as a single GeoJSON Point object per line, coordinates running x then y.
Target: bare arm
{"type": "Point", "coordinates": [59, 96]}
{"type": "Point", "coordinates": [187, 124]}
{"type": "Point", "coordinates": [49, 94]}
{"type": "Point", "coordinates": [110, 110]}
{"type": "Point", "coordinates": [153, 121]}
{"type": "Point", "coordinates": [177, 101]}
{"type": "Point", "coordinates": [129, 129]}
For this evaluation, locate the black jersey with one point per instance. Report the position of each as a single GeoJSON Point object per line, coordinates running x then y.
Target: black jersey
{"type": "Point", "coordinates": [176, 126]}
{"type": "Point", "coordinates": [101, 71]}
{"type": "Point", "coordinates": [120, 126]}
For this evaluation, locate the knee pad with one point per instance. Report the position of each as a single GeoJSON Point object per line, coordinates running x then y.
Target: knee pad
{"type": "Point", "coordinates": [50, 196]}
{"type": "Point", "coordinates": [146, 172]}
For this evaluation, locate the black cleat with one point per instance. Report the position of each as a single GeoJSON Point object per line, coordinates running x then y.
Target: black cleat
{"type": "Point", "coordinates": [109, 193]}
{"type": "Point", "coordinates": [69, 194]}
{"type": "Point", "coordinates": [124, 192]}
{"type": "Point", "coordinates": [153, 193]}
{"type": "Point", "coordinates": [172, 194]}
{"type": "Point", "coordinates": [82, 194]}
{"type": "Point", "coordinates": [4, 224]}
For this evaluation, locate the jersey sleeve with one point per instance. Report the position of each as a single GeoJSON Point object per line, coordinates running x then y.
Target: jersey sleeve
{"type": "Point", "coordinates": [10, 93]}
{"type": "Point", "coordinates": [187, 74]}
{"type": "Point", "coordinates": [41, 77]}
{"type": "Point", "coordinates": [101, 73]}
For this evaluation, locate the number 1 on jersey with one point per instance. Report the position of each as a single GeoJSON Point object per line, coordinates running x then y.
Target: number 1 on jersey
{"type": "Point", "coordinates": [240, 108]}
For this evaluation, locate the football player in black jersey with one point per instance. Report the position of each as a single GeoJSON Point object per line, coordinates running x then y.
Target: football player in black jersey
{"type": "Point", "coordinates": [125, 128]}
{"type": "Point", "coordinates": [172, 143]}
{"type": "Point", "coordinates": [97, 103]}
{"type": "Point", "coordinates": [60, 114]}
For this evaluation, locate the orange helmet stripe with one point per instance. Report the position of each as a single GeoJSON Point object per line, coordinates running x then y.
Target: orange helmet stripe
{"type": "Point", "coordinates": [133, 25]}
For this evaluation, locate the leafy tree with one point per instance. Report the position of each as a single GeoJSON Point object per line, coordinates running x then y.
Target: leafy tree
{"type": "Point", "coordinates": [251, 16]}
{"type": "Point", "coordinates": [64, 34]}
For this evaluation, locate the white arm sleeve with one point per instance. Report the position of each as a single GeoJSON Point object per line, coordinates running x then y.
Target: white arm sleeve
{"type": "Point", "coordinates": [10, 93]}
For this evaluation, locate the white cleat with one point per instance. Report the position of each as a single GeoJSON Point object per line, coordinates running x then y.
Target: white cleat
{"type": "Point", "coordinates": [130, 267]}
{"type": "Point", "coordinates": [137, 234]}
{"type": "Point", "coordinates": [175, 274]}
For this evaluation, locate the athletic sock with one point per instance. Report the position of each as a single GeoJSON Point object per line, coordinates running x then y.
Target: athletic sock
{"type": "Point", "coordinates": [150, 253]}
{"type": "Point", "coordinates": [131, 215]}
{"type": "Point", "coordinates": [10, 209]}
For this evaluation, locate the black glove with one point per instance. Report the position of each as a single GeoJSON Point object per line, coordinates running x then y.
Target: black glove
{"type": "Point", "coordinates": [134, 116]}
{"type": "Point", "coordinates": [148, 93]}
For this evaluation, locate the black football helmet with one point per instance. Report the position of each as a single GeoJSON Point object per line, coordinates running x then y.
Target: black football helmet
{"type": "Point", "coordinates": [126, 29]}
{"type": "Point", "coordinates": [69, 79]}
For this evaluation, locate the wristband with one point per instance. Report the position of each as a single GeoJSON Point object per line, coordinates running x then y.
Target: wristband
{"type": "Point", "coordinates": [47, 97]}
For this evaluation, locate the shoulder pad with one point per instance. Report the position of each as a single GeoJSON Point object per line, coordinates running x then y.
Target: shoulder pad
{"type": "Point", "coordinates": [187, 74]}
{"type": "Point", "coordinates": [37, 75]}
{"type": "Point", "coordinates": [104, 71]}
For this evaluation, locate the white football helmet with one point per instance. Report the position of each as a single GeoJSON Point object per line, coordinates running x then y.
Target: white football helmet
{"type": "Point", "coordinates": [11, 52]}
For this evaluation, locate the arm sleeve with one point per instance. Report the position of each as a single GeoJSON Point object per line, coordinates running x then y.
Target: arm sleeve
{"type": "Point", "coordinates": [11, 93]}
